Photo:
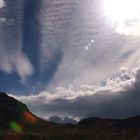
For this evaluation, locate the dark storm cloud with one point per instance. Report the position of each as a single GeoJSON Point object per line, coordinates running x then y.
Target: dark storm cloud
{"type": "Point", "coordinates": [15, 66]}
{"type": "Point", "coordinates": [119, 98]}
{"type": "Point", "coordinates": [34, 36]}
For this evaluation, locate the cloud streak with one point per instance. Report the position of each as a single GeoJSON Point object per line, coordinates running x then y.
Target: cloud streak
{"type": "Point", "coordinates": [110, 48]}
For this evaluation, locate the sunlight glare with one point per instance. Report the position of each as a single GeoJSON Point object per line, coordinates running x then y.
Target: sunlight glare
{"type": "Point", "coordinates": [124, 13]}
{"type": "Point", "coordinates": [121, 10]}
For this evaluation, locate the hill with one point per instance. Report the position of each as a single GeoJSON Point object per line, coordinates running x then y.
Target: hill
{"type": "Point", "coordinates": [18, 123]}
{"type": "Point", "coordinates": [133, 122]}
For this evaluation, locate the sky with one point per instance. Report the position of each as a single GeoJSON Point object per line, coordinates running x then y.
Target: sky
{"type": "Point", "coordinates": [71, 59]}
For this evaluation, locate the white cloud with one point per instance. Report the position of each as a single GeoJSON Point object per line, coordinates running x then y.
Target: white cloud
{"type": "Point", "coordinates": [16, 62]}
{"type": "Point", "coordinates": [12, 57]}
{"type": "Point", "coordinates": [63, 47]}
{"type": "Point", "coordinates": [2, 3]}
{"type": "Point", "coordinates": [2, 20]}
{"type": "Point", "coordinates": [23, 67]}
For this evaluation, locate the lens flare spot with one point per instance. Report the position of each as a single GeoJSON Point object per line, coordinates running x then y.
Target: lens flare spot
{"type": "Point", "coordinates": [29, 117]}
{"type": "Point", "coordinates": [15, 127]}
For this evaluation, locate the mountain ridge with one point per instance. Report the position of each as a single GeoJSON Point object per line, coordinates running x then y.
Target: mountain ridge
{"type": "Point", "coordinates": [18, 123]}
{"type": "Point", "coordinates": [12, 109]}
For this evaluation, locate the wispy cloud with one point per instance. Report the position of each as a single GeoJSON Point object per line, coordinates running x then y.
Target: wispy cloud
{"type": "Point", "coordinates": [12, 57]}
{"type": "Point", "coordinates": [2, 3]}
{"type": "Point", "coordinates": [15, 62]}
{"type": "Point", "coordinates": [23, 66]}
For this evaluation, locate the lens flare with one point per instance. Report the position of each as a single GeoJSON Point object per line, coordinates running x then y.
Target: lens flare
{"type": "Point", "coordinates": [15, 127]}
{"type": "Point", "coordinates": [29, 117]}
{"type": "Point", "coordinates": [120, 10]}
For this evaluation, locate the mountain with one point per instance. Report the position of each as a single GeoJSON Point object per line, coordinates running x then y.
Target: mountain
{"type": "Point", "coordinates": [133, 122]}
{"type": "Point", "coordinates": [18, 123]}
{"type": "Point", "coordinates": [12, 110]}
{"type": "Point", "coordinates": [13, 113]}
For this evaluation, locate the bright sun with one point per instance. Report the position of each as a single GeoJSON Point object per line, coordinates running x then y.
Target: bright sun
{"type": "Point", "coordinates": [126, 13]}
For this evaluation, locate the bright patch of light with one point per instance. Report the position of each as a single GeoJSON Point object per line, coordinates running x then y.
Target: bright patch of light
{"type": "Point", "coordinates": [92, 40]}
{"type": "Point", "coordinates": [120, 10]}
{"type": "Point", "coordinates": [86, 47]}
{"type": "Point", "coordinates": [89, 44]}
{"type": "Point", "coordinates": [124, 13]}
{"type": "Point", "coordinates": [2, 3]}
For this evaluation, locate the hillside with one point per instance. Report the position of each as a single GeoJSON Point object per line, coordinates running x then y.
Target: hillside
{"type": "Point", "coordinates": [18, 123]}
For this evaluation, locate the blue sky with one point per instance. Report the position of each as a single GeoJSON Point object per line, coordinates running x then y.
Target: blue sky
{"type": "Point", "coordinates": [67, 51]}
